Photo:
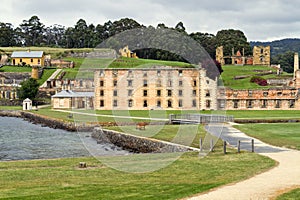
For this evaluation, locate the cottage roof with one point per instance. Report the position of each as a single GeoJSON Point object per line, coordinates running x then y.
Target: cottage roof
{"type": "Point", "coordinates": [70, 93]}
{"type": "Point", "coordinates": [27, 101]}
{"type": "Point", "coordinates": [27, 54]}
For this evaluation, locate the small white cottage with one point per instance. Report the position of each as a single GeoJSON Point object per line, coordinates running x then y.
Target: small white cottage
{"type": "Point", "coordinates": [27, 104]}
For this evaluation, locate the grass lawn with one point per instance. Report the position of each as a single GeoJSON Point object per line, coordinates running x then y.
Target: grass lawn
{"type": "Point", "coordinates": [46, 74]}
{"type": "Point", "coordinates": [61, 179]}
{"type": "Point", "coordinates": [230, 71]}
{"type": "Point", "coordinates": [11, 107]}
{"type": "Point", "coordinates": [279, 134]}
{"type": "Point", "coordinates": [264, 114]}
{"type": "Point", "coordinates": [15, 69]}
{"type": "Point", "coordinates": [294, 194]}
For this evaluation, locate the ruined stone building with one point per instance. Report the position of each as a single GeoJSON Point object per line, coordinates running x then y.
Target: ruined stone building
{"type": "Point", "coordinates": [285, 96]}
{"type": "Point", "coordinates": [261, 56]}
{"type": "Point", "coordinates": [154, 88]}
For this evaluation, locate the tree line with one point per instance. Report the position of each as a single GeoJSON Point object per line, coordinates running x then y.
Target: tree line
{"type": "Point", "coordinates": [33, 32]}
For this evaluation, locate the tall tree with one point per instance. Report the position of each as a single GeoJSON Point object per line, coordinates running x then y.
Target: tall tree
{"type": "Point", "coordinates": [7, 35]}
{"type": "Point", "coordinates": [207, 41]}
{"type": "Point", "coordinates": [286, 61]}
{"type": "Point", "coordinates": [33, 31]}
{"type": "Point", "coordinates": [230, 39]}
{"type": "Point", "coordinates": [29, 89]}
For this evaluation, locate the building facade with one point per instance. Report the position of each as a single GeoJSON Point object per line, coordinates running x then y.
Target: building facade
{"type": "Point", "coordinates": [32, 58]}
{"type": "Point", "coordinates": [154, 88]}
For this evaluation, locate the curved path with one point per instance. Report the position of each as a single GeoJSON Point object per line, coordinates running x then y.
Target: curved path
{"type": "Point", "coordinates": [267, 185]}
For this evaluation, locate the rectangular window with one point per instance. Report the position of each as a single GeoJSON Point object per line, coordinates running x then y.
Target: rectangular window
{"type": "Point", "coordinates": [235, 103]}
{"type": "Point", "coordinates": [158, 72]}
{"type": "Point", "coordinates": [250, 93]}
{"type": "Point", "coordinates": [101, 93]}
{"type": "Point", "coordinates": [194, 93]}
{"type": "Point", "coordinates": [145, 83]}
{"type": "Point", "coordinates": [265, 94]}
{"type": "Point", "coordinates": [101, 83]}
{"type": "Point", "coordinates": [145, 93]}
{"type": "Point", "coordinates": [169, 83]}
{"type": "Point", "coordinates": [180, 103]}
{"type": "Point", "coordinates": [145, 74]}
{"type": "Point", "coordinates": [194, 103]}
{"type": "Point", "coordinates": [21, 60]}
{"type": "Point", "coordinates": [158, 103]}
{"type": "Point", "coordinates": [194, 83]}
{"type": "Point", "coordinates": [180, 83]}
{"type": "Point", "coordinates": [145, 105]}
{"type": "Point", "coordinates": [169, 93]}
{"type": "Point", "coordinates": [222, 103]}
{"type": "Point", "coordinates": [249, 103]}
{"type": "Point", "coordinates": [292, 103]}
{"type": "Point", "coordinates": [208, 102]}
{"type": "Point", "coordinates": [31, 60]}
{"type": "Point", "coordinates": [158, 83]}
{"type": "Point", "coordinates": [115, 73]}
{"type": "Point", "coordinates": [101, 73]}
{"type": "Point", "coordinates": [180, 93]}
{"type": "Point", "coordinates": [207, 93]}
{"type": "Point", "coordinates": [158, 93]}
{"type": "Point", "coordinates": [129, 83]}
{"type": "Point", "coordinates": [115, 83]}
{"type": "Point", "coordinates": [115, 103]}
{"type": "Point", "coordinates": [279, 94]}
{"type": "Point", "coordinates": [130, 93]}
{"type": "Point", "coordinates": [101, 103]}
{"type": "Point", "coordinates": [277, 103]}
{"type": "Point", "coordinates": [130, 103]}
{"type": "Point", "coordinates": [130, 73]}
{"type": "Point", "coordinates": [115, 93]}
{"type": "Point", "coordinates": [179, 72]}
{"type": "Point", "coordinates": [264, 103]}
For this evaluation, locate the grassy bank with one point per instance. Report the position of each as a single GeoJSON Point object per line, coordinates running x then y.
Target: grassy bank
{"type": "Point", "coordinates": [294, 194]}
{"type": "Point", "coordinates": [61, 179]}
{"type": "Point", "coordinates": [282, 135]}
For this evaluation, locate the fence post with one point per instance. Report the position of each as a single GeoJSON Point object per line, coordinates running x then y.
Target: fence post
{"type": "Point", "coordinates": [211, 145]}
{"type": "Point", "coordinates": [200, 144]}
{"type": "Point", "coordinates": [224, 147]}
{"type": "Point", "coordinates": [252, 145]}
{"type": "Point", "coordinates": [239, 146]}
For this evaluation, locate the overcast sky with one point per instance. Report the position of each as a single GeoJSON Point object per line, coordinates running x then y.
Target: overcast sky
{"type": "Point", "coordinates": [260, 20]}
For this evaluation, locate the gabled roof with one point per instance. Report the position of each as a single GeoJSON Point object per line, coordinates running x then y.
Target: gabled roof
{"type": "Point", "coordinates": [27, 54]}
{"type": "Point", "coordinates": [70, 93]}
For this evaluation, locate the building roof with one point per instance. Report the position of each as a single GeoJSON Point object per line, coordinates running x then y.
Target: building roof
{"type": "Point", "coordinates": [27, 54]}
{"type": "Point", "coordinates": [70, 93]}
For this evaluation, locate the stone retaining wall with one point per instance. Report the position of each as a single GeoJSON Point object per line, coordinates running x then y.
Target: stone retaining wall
{"type": "Point", "coordinates": [137, 143]}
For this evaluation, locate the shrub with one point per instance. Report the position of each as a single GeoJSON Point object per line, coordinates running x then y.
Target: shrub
{"type": "Point", "coordinates": [259, 80]}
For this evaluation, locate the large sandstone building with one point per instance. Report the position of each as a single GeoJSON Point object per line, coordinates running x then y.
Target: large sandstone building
{"type": "Point", "coordinates": [154, 88]}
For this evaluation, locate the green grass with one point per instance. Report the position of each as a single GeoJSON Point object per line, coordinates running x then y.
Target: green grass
{"type": "Point", "coordinates": [279, 134]}
{"type": "Point", "coordinates": [46, 74]}
{"type": "Point", "coordinates": [294, 194]}
{"type": "Point", "coordinates": [61, 179]}
{"type": "Point", "coordinates": [15, 69]}
{"type": "Point", "coordinates": [11, 107]}
{"type": "Point", "coordinates": [230, 71]}
{"type": "Point", "coordinates": [264, 114]}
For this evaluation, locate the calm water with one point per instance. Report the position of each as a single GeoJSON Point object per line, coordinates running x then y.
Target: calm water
{"type": "Point", "coordinates": [21, 140]}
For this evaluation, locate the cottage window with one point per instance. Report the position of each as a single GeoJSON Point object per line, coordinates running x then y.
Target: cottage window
{"type": "Point", "coordinates": [292, 103]}
{"type": "Point", "coordinates": [249, 103]}
{"type": "Point", "coordinates": [145, 83]}
{"type": "Point", "coordinates": [180, 83]}
{"type": "Point", "coordinates": [31, 60]}
{"type": "Point", "coordinates": [264, 103]}
{"type": "Point", "coordinates": [277, 103]}
{"type": "Point", "coordinates": [222, 103]}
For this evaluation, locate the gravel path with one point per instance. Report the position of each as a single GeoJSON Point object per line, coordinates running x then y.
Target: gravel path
{"type": "Point", "coordinates": [267, 185]}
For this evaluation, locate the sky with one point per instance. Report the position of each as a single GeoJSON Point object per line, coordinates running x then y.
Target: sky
{"type": "Point", "coordinates": [260, 20]}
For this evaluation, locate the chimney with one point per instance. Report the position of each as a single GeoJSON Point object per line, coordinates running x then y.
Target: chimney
{"type": "Point", "coordinates": [296, 63]}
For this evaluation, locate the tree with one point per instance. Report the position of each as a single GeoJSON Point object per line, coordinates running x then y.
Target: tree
{"type": "Point", "coordinates": [6, 35]}
{"type": "Point", "coordinates": [33, 31]}
{"type": "Point", "coordinates": [207, 41]}
{"type": "Point", "coordinates": [180, 27]}
{"type": "Point", "coordinates": [286, 61]}
{"type": "Point", "coordinates": [230, 39]}
{"type": "Point", "coordinates": [29, 89]}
